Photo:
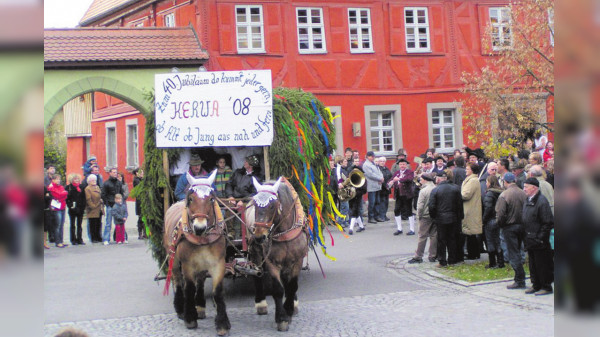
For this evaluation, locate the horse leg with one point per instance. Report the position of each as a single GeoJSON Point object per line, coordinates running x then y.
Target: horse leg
{"type": "Point", "coordinates": [281, 317]}
{"type": "Point", "coordinates": [178, 299]}
{"type": "Point", "coordinates": [189, 309]}
{"type": "Point", "coordinates": [221, 320]}
{"type": "Point", "coordinates": [291, 301]}
{"type": "Point", "coordinates": [199, 299]}
{"type": "Point", "coordinates": [260, 300]}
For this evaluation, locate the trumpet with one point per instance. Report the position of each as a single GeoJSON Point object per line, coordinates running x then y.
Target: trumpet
{"type": "Point", "coordinates": [356, 179]}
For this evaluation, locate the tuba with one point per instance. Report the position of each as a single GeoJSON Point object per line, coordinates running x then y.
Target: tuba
{"type": "Point", "coordinates": [356, 179]}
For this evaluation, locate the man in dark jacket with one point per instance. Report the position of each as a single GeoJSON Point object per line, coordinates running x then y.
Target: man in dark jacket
{"type": "Point", "coordinates": [110, 188]}
{"type": "Point", "coordinates": [240, 184]}
{"type": "Point", "coordinates": [446, 210]}
{"type": "Point", "coordinates": [459, 173]}
{"type": "Point", "coordinates": [538, 221]}
{"type": "Point", "coordinates": [509, 209]}
{"type": "Point", "coordinates": [384, 194]}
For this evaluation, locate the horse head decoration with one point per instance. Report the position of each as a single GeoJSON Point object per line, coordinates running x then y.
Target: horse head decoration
{"type": "Point", "coordinates": [200, 202]}
{"type": "Point", "coordinates": [267, 209]}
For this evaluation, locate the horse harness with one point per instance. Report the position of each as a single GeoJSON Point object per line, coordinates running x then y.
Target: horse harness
{"type": "Point", "coordinates": [289, 234]}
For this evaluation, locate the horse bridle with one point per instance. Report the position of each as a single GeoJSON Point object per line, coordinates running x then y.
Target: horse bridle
{"type": "Point", "coordinates": [191, 217]}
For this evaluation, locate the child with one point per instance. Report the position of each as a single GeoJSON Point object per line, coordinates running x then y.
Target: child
{"type": "Point", "coordinates": [119, 213]}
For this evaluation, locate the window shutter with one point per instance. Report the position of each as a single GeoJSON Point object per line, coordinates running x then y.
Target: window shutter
{"type": "Point", "coordinates": [226, 19]}
{"type": "Point", "coordinates": [397, 38]}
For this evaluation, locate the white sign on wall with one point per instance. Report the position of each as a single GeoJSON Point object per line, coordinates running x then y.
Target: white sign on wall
{"type": "Point", "coordinates": [217, 108]}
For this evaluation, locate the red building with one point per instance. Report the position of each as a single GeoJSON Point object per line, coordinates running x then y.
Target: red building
{"type": "Point", "coordinates": [392, 69]}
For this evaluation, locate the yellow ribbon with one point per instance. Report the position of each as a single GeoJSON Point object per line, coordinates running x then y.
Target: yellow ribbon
{"type": "Point", "coordinates": [333, 207]}
{"type": "Point", "coordinates": [327, 255]}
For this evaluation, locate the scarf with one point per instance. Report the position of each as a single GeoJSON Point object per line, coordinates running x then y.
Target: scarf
{"type": "Point", "coordinates": [77, 187]}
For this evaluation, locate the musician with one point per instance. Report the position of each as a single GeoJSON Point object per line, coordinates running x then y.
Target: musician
{"type": "Point", "coordinates": [403, 185]}
{"type": "Point", "coordinates": [356, 203]}
{"type": "Point", "coordinates": [341, 172]}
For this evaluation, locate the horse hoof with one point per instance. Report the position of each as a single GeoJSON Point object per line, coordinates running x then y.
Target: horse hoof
{"type": "Point", "coordinates": [261, 307]}
{"type": "Point", "coordinates": [191, 325]}
{"type": "Point", "coordinates": [261, 311]}
{"type": "Point", "coordinates": [283, 326]}
{"type": "Point", "coordinates": [223, 332]}
{"type": "Point", "coordinates": [201, 312]}
{"type": "Point", "coordinates": [180, 316]}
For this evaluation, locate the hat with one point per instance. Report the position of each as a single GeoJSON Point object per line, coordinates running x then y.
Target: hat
{"type": "Point", "coordinates": [477, 152]}
{"type": "Point", "coordinates": [402, 160]}
{"type": "Point", "coordinates": [427, 160]}
{"type": "Point", "coordinates": [401, 152]}
{"type": "Point", "coordinates": [442, 174]}
{"type": "Point", "coordinates": [451, 163]}
{"type": "Point", "coordinates": [92, 158]}
{"type": "Point", "coordinates": [428, 176]}
{"type": "Point", "coordinates": [253, 160]}
{"type": "Point", "coordinates": [195, 160]}
{"type": "Point", "coordinates": [532, 181]}
{"type": "Point", "coordinates": [370, 154]}
{"type": "Point", "coordinates": [520, 164]}
{"type": "Point", "coordinates": [509, 177]}
{"type": "Point", "coordinates": [440, 157]}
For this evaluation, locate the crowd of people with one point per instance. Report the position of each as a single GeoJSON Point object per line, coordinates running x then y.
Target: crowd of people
{"type": "Point", "coordinates": [464, 204]}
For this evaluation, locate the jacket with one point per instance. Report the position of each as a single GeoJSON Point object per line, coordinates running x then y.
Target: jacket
{"type": "Point", "coordinates": [221, 181]}
{"type": "Point", "coordinates": [404, 187]}
{"type": "Point", "coordinates": [75, 200]}
{"type": "Point", "coordinates": [489, 204]}
{"type": "Point", "coordinates": [59, 193]}
{"type": "Point", "coordinates": [547, 191]}
{"type": "Point", "coordinates": [423, 201]}
{"type": "Point", "coordinates": [459, 174]}
{"type": "Point", "coordinates": [538, 221]}
{"type": "Point", "coordinates": [240, 184]}
{"type": "Point", "coordinates": [373, 175]}
{"type": "Point", "coordinates": [387, 176]}
{"type": "Point", "coordinates": [110, 188]}
{"type": "Point", "coordinates": [521, 179]}
{"type": "Point", "coordinates": [119, 212]}
{"type": "Point", "coordinates": [509, 207]}
{"type": "Point", "coordinates": [183, 186]}
{"type": "Point", "coordinates": [445, 204]}
{"type": "Point", "coordinates": [138, 206]}
{"type": "Point", "coordinates": [93, 201]}
{"type": "Point", "coordinates": [471, 195]}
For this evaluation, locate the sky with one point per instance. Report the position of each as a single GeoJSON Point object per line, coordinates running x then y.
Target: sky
{"type": "Point", "coordinates": [64, 13]}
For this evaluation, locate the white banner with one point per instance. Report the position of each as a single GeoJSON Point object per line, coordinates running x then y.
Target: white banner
{"type": "Point", "coordinates": [219, 108]}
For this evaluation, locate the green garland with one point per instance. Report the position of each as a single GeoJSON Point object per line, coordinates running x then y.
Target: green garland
{"type": "Point", "coordinates": [293, 111]}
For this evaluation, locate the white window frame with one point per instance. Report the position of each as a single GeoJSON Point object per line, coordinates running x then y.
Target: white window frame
{"type": "Point", "coordinates": [416, 26]}
{"type": "Point", "coordinates": [170, 20]}
{"type": "Point", "coordinates": [456, 125]}
{"type": "Point", "coordinates": [359, 26]}
{"type": "Point", "coordinates": [248, 25]}
{"type": "Point", "coordinates": [309, 26]}
{"type": "Point", "coordinates": [136, 157]}
{"type": "Point", "coordinates": [109, 164]}
{"type": "Point", "coordinates": [396, 127]}
{"type": "Point", "coordinates": [500, 25]}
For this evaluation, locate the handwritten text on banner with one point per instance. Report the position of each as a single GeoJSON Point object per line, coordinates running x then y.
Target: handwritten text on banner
{"type": "Point", "coordinates": [220, 108]}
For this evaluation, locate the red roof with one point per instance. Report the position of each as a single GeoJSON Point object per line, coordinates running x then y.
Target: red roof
{"type": "Point", "coordinates": [87, 46]}
{"type": "Point", "coordinates": [101, 8]}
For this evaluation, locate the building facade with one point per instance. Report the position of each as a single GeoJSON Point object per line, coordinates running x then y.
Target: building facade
{"type": "Point", "coordinates": [390, 69]}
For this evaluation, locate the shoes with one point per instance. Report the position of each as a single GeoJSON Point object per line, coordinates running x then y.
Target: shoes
{"type": "Point", "coordinates": [140, 237]}
{"type": "Point", "coordinates": [350, 232]}
{"type": "Point", "coordinates": [379, 220]}
{"type": "Point", "coordinates": [125, 241]}
{"type": "Point", "coordinates": [489, 266]}
{"type": "Point", "coordinates": [439, 265]}
{"type": "Point", "coordinates": [387, 219]}
{"type": "Point", "coordinates": [119, 243]}
{"type": "Point", "coordinates": [432, 259]}
{"type": "Point", "coordinates": [46, 247]}
{"type": "Point", "coordinates": [531, 290]}
{"type": "Point", "coordinates": [360, 229]}
{"type": "Point", "coordinates": [106, 243]}
{"type": "Point", "coordinates": [81, 243]}
{"type": "Point", "coordinates": [415, 260]}
{"type": "Point", "coordinates": [543, 292]}
{"type": "Point", "coordinates": [410, 233]}
{"type": "Point", "coordinates": [397, 232]}
{"type": "Point", "coordinates": [516, 286]}
{"type": "Point", "coordinates": [74, 243]}
{"type": "Point", "coordinates": [371, 220]}
{"type": "Point", "coordinates": [61, 245]}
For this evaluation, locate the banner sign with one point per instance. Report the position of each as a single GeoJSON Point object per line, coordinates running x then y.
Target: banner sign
{"type": "Point", "coordinates": [218, 108]}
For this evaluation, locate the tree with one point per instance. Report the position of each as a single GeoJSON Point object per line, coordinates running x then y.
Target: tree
{"type": "Point", "coordinates": [55, 145]}
{"type": "Point", "coordinates": [504, 98]}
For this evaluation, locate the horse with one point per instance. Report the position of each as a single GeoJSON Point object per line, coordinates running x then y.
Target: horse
{"type": "Point", "coordinates": [278, 242]}
{"type": "Point", "coordinates": [195, 243]}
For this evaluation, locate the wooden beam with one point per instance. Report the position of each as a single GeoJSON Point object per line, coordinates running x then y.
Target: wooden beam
{"type": "Point", "coordinates": [266, 160]}
{"type": "Point", "coordinates": [166, 172]}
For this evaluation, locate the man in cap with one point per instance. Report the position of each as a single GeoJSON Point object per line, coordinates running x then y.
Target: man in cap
{"type": "Point", "coordinates": [519, 172]}
{"type": "Point", "coordinates": [509, 219]}
{"type": "Point", "coordinates": [374, 180]}
{"type": "Point", "coordinates": [195, 171]}
{"type": "Point", "coordinates": [440, 165]}
{"type": "Point", "coordinates": [401, 155]}
{"type": "Point", "coordinates": [538, 221]}
{"type": "Point", "coordinates": [87, 166]}
{"type": "Point", "coordinates": [446, 211]}
{"type": "Point", "coordinates": [404, 192]}
{"type": "Point", "coordinates": [427, 229]}
{"type": "Point", "coordinates": [537, 172]}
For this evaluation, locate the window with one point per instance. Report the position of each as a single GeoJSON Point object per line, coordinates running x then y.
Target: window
{"type": "Point", "coordinates": [500, 20]}
{"type": "Point", "coordinates": [311, 36]}
{"type": "Point", "coordinates": [132, 143]}
{"type": "Point", "coordinates": [551, 25]}
{"type": "Point", "coordinates": [359, 22]}
{"type": "Point", "coordinates": [170, 20]}
{"type": "Point", "coordinates": [417, 30]}
{"type": "Point", "coordinates": [445, 127]}
{"type": "Point", "coordinates": [249, 28]}
{"type": "Point", "coordinates": [111, 145]}
{"type": "Point", "coordinates": [383, 128]}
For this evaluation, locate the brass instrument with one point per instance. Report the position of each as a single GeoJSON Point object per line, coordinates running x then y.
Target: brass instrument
{"type": "Point", "coordinates": [356, 179]}
{"type": "Point", "coordinates": [418, 176]}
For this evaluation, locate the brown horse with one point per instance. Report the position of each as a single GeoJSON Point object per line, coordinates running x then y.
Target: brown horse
{"type": "Point", "coordinates": [194, 237]}
{"type": "Point", "coordinates": [278, 242]}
